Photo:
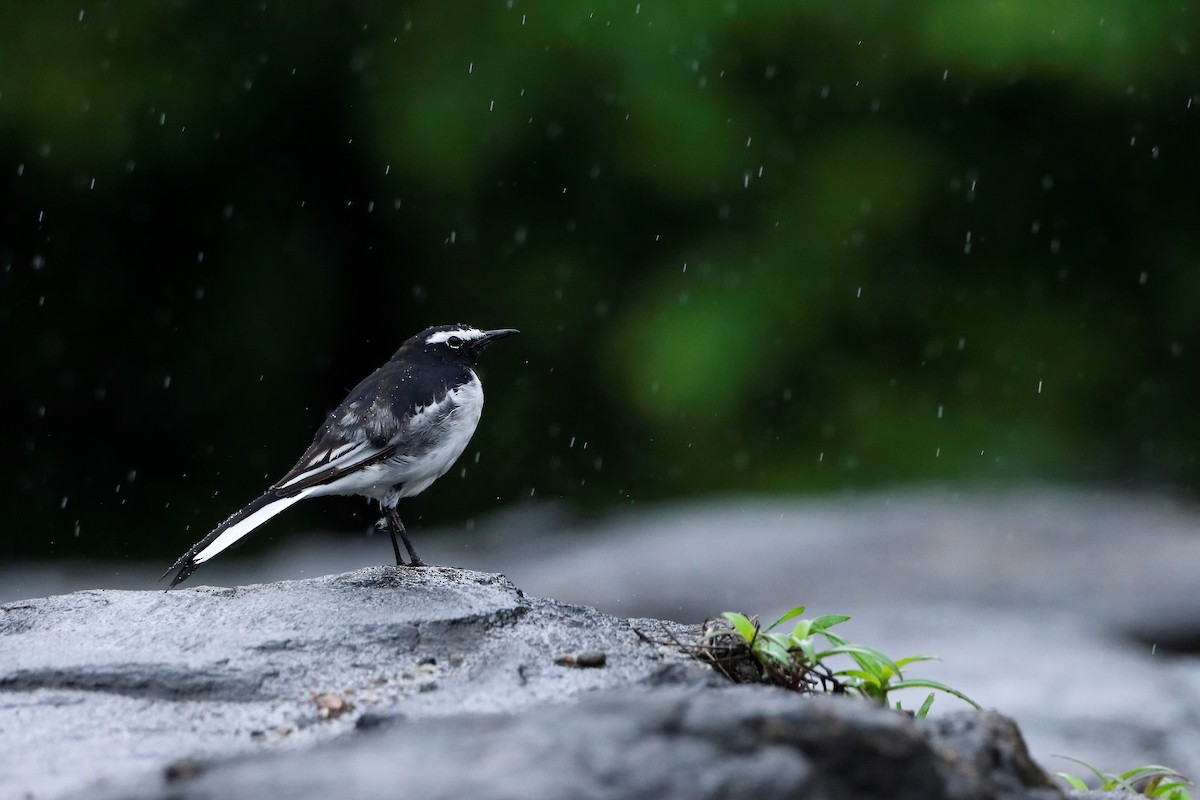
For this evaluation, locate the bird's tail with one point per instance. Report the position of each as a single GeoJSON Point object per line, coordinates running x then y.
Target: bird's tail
{"type": "Point", "coordinates": [231, 532]}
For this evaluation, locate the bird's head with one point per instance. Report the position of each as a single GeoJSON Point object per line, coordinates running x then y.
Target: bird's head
{"type": "Point", "coordinates": [460, 342]}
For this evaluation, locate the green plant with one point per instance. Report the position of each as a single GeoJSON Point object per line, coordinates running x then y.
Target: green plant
{"type": "Point", "coordinates": [1152, 780]}
{"type": "Point", "coordinates": [798, 659]}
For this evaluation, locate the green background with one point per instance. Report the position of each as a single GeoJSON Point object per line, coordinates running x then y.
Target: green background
{"type": "Point", "coordinates": [752, 247]}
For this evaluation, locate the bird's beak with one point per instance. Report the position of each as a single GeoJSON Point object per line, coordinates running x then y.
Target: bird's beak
{"type": "Point", "coordinates": [491, 336]}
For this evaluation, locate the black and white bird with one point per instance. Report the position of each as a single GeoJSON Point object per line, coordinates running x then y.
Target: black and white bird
{"type": "Point", "coordinates": [396, 433]}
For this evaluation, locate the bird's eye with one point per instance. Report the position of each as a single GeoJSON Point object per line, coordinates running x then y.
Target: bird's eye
{"type": "Point", "coordinates": [454, 342]}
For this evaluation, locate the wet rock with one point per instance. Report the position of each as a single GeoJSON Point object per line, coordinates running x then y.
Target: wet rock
{"type": "Point", "coordinates": [678, 742]}
{"type": "Point", "coordinates": [444, 683]}
{"type": "Point", "coordinates": [102, 687]}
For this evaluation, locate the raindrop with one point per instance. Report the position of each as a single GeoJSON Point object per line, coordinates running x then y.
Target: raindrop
{"type": "Point", "coordinates": [76, 529]}
{"type": "Point", "coordinates": [38, 262]}
{"type": "Point", "coordinates": [1039, 387]}
{"type": "Point", "coordinates": [167, 382]}
{"type": "Point", "coordinates": [63, 504]}
{"type": "Point", "coordinates": [940, 411]}
{"type": "Point", "coordinates": [1143, 278]}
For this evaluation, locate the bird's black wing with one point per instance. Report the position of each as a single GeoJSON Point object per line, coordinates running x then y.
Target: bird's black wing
{"type": "Point", "coordinates": [369, 426]}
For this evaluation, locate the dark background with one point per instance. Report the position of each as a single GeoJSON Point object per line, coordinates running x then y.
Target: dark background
{"type": "Point", "coordinates": [765, 247]}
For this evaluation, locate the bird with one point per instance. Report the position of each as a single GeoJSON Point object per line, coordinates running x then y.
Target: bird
{"type": "Point", "coordinates": [397, 432]}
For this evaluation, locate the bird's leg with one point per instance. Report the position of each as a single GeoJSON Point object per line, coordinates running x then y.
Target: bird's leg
{"type": "Point", "coordinates": [395, 527]}
{"type": "Point", "coordinates": [386, 522]}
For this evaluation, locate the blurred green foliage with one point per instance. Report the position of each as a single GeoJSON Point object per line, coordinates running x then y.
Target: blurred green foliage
{"type": "Point", "coordinates": [776, 246]}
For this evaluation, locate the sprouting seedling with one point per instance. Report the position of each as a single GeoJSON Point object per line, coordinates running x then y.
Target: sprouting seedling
{"type": "Point", "coordinates": [1151, 780]}
{"type": "Point", "coordinates": [798, 659]}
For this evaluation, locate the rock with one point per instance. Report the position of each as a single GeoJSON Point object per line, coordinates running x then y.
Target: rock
{"type": "Point", "coordinates": [984, 754]}
{"type": "Point", "coordinates": [657, 744]}
{"type": "Point", "coordinates": [435, 683]}
{"type": "Point", "coordinates": [101, 687]}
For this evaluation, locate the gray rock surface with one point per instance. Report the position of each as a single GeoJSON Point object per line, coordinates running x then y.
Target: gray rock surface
{"type": "Point", "coordinates": [689, 743]}
{"type": "Point", "coordinates": [105, 687]}
{"type": "Point", "coordinates": [442, 683]}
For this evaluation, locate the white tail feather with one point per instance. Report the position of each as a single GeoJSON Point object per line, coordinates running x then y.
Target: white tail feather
{"type": "Point", "coordinates": [243, 527]}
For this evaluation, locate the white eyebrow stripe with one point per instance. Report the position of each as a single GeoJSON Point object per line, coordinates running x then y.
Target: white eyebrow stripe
{"type": "Point", "coordinates": [462, 333]}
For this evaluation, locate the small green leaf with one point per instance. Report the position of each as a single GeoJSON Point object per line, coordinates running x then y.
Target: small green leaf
{"type": "Point", "coordinates": [802, 629]}
{"type": "Point", "coordinates": [901, 662]}
{"type": "Point", "coordinates": [828, 621]}
{"type": "Point", "coordinates": [795, 612]}
{"type": "Point", "coordinates": [870, 659]}
{"type": "Point", "coordinates": [772, 648]}
{"type": "Point", "coordinates": [928, 684]}
{"type": "Point", "coordinates": [1075, 782]}
{"type": "Point", "coordinates": [924, 709]}
{"type": "Point", "coordinates": [1083, 763]}
{"type": "Point", "coordinates": [745, 628]}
